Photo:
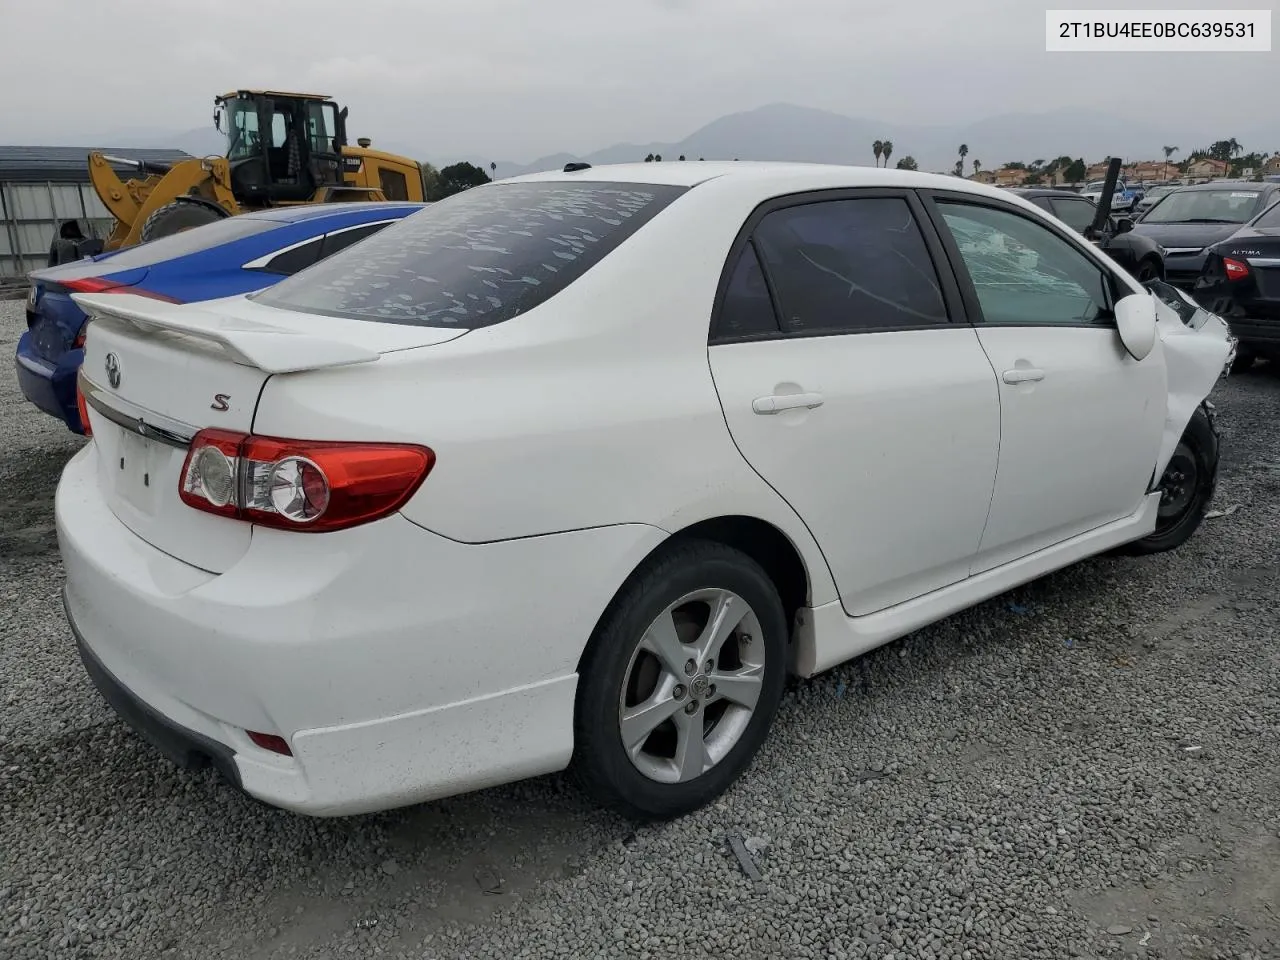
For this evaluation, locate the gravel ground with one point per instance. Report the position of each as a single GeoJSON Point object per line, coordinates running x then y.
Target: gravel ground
{"type": "Point", "coordinates": [1089, 766]}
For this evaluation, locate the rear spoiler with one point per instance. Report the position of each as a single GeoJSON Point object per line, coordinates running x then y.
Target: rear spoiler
{"type": "Point", "coordinates": [269, 349]}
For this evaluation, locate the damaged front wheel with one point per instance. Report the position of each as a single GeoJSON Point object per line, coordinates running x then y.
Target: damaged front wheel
{"type": "Point", "coordinates": [1185, 487]}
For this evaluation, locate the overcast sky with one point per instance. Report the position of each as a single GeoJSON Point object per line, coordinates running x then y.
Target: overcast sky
{"type": "Point", "coordinates": [517, 79]}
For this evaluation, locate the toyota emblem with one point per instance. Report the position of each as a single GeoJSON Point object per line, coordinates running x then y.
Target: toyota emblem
{"type": "Point", "coordinates": [113, 370]}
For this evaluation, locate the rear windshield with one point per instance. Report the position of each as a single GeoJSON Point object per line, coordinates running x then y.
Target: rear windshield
{"type": "Point", "coordinates": [1272, 217]}
{"type": "Point", "coordinates": [189, 241]}
{"type": "Point", "coordinates": [477, 258]}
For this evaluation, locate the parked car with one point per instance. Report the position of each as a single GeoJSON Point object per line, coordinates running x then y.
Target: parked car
{"type": "Point", "coordinates": [223, 258]}
{"type": "Point", "coordinates": [1241, 282]}
{"type": "Point", "coordinates": [1193, 218]}
{"type": "Point", "coordinates": [1141, 256]}
{"type": "Point", "coordinates": [571, 469]}
{"type": "Point", "coordinates": [1124, 198]}
{"type": "Point", "coordinates": [1153, 194]}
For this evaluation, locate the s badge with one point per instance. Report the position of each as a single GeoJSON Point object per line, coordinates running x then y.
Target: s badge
{"type": "Point", "coordinates": [220, 402]}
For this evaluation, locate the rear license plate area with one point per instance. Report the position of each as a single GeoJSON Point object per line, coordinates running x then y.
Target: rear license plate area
{"type": "Point", "coordinates": [137, 467]}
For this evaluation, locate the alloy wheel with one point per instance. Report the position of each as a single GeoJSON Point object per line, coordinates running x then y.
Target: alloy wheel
{"type": "Point", "coordinates": [691, 686]}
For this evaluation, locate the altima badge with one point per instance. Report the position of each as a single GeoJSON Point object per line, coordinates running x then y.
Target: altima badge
{"type": "Point", "coordinates": [113, 371]}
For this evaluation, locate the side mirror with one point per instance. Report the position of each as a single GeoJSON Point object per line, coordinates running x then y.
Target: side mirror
{"type": "Point", "coordinates": [1124, 224]}
{"type": "Point", "coordinates": [1136, 321]}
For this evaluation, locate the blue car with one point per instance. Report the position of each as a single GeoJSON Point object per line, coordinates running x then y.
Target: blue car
{"type": "Point", "coordinates": [221, 259]}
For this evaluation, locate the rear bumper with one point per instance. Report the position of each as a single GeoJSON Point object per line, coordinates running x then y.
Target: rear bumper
{"type": "Point", "coordinates": [1259, 334]}
{"type": "Point", "coordinates": [398, 665]}
{"type": "Point", "coordinates": [184, 747]}
{"type": "Point", "coordinates": [50, 386]}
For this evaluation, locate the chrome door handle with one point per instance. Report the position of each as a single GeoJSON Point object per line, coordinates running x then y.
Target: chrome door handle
{"type": "Point", "coordinates": [787, 401]}
{"type": "Point", "coordinates": [1023, 375]}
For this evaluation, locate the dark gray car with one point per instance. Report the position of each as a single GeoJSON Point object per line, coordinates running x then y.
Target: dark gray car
{"type": "Point", "coordinates": [1193, 218]}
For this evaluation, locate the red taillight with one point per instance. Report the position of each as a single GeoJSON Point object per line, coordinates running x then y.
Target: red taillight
{"type": "Point", "coordinates": [272, 742]}
{"type": "Point", "coordinates": [83, 407]}
{"type": "Point", "coordinates": [306, 485]}
{"type": "Point", "coordinates": [1236, 269]}
{"type": "Point", "coordinates": [99, 285]}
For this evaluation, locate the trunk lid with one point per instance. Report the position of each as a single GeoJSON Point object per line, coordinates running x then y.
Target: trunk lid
{"type": "Point", "coordinates": [155, 373]}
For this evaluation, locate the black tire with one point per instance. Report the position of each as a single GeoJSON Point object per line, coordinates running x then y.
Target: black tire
{"type": "Point", "coordinates": [1148, 270]}
{"type": "Point", "coordinates": [1187, 485]}
{"type": "Point", "coordinates": [601, 764]}
{"type": "Point", "coordinates": [175, 217]}
{"type": "Point", "coordinates": [63, 251]}
{"type": "Point", "coordinates": [1244, 360]}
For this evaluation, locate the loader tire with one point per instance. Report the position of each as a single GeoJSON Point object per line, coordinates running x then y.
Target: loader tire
{"type": "Point", "coordinates": [63, 251]}
{"type": "Point", "coordinates": [175, 217]}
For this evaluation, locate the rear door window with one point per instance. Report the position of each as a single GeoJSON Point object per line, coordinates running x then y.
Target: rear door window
{"type": "Point", "coordinates": [850, 266]}
{"type": "Point", "coordinates": [479, 257]}
{"type": "Point", "coordinates": [340, 240]}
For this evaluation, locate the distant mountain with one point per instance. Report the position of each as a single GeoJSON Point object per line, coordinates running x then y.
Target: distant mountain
{"type": "Point", "coordinates": [783, 131]}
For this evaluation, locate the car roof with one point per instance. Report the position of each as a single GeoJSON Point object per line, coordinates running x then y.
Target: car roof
{"type": "Point", "coordinates": [1029, 192]}
{"type": "Point", "coordinates": [301, 212]}
{"type": "Point", "coordinates": [793, 177]}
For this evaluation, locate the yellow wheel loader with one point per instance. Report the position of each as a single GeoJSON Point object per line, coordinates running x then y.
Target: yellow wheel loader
{"type": "Point", "coordinates": [282, 148]}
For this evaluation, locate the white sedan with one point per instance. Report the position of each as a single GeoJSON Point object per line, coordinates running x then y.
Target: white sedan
{"type": "Point", "coordinates": [572, 470]}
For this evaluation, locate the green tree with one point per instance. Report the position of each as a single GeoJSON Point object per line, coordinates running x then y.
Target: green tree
{"type": "Point", "coordinates": [977, 167]}
{"type": "Point", "coordinates": [682, 156]}
{"type": "Point", "coordinates": [878, 149]}
{"type": "Point", "coordinates": [649, 158]}
{"type": "Point", "coordinates": [1076, 171]}
{"type": "Point", "coordinates": [430, 180]}
{"type": "Point", "coordinates": [908, 163]}
{"type": "Point", "coordinates": [458, 177]}
{"type": "Point", "coordinates": [887, 147]}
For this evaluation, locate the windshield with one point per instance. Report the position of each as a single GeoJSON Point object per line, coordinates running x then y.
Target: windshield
{"type": "Point", "coordinates": [1097, 186]}
{"type": "Point", "coordinates": [1205, 206]}
{"type": "Point", "coordinates": [477, 258]}
{"type": "Point", "coordinates": [240, 124]}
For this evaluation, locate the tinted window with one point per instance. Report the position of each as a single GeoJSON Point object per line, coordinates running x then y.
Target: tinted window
{"type": "Point", "coordinates": [846, 266]}
{"type": "Point", "coordinates": [190, 241]}
{"type": "Point", "coordinates": [1076, 214]}
{"type": "Point", "coordinates": [290, 262]}
{"type": "Point", "coordinates": [344, 238]}
{"type": "Point", "coordinates": [480, 257]}
{"type": "Point", "coordinates": [1272, 217]}
{"type": "Point", "coordinates": [747, 309]}
{"type": "Point", "coordinates": [1022, 271]}
{"type": "Point", "coordinates": [1206, 206]}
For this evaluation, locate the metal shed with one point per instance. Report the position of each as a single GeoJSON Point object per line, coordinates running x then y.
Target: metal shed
{"type": "Point", "coordinates": [40, 187]}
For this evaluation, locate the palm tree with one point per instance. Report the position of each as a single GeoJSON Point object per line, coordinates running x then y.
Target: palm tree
{"type": "Point", "coordinates": [1168, 152]}
{"type": "Point", "coordinates": [1234, 147]}
{"type": "Point", "coordinates": [964, 152]}
{"type": "Point", "coordinates": [493, 168]}
{"type": "Point", "coordinates": [878, 149]}
{"type": "Point", "coordinates": [977, 167]}
{"type": "Point", "coordinates": [887, 147]}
